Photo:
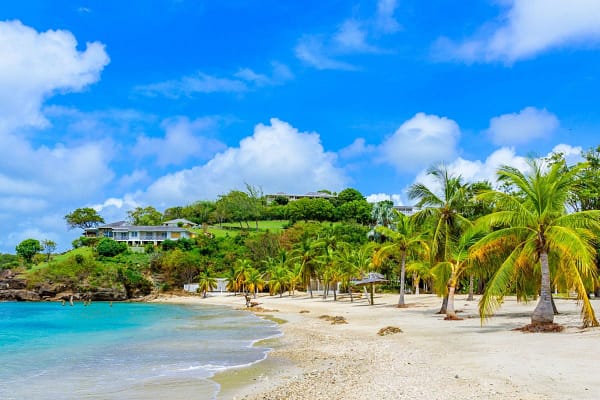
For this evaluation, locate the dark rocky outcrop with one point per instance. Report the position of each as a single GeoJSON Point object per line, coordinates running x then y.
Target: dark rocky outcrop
{"type": "Point", "coordinates": [10, 280]}
{"type": "Point", "coordinates": [108, 294]}
{"type": "Point", "coordinates": [19, 295]}
{"type": "Point", "coordinates": [47, 290]}
{"type": "Point", "coordinates": [13, 287]}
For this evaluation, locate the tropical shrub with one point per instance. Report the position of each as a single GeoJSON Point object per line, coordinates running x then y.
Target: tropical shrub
{"type": "Point", "coordinates": [108, 247]}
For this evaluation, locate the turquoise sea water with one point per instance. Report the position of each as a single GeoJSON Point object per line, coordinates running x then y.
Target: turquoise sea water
{"type": "Point", "coordinates": [123, 351]}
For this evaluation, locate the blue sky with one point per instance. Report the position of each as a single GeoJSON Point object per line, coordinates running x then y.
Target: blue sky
{"type": "Point", "coordinates": [117, 104]}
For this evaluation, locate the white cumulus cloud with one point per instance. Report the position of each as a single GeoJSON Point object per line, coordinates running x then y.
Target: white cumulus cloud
{"type": "Point", "coordinates": [523, 127]}
{"type": "Point", "coordinates": [356, 149]}
{"type": "Point", "coordinates": [530, 27]}
{"type": "Point", "coordinates": [36, 65]}
{"type": "Point", "coordinates": [277, 157]}
{"type": "Point", "coordinates": [478, 170]}
{"type": "Point", "coordinates": [421, 141]}
{"type": "Point", "coordinates": [38, 181]}
{"type": "Point", "coordinates": [183, 140]}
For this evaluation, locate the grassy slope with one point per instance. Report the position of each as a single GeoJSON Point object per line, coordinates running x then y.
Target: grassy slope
{"type": "Point", "coordinates": [233, 228]}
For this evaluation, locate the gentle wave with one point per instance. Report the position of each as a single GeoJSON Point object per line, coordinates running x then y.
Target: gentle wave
{"type": "Point", "coordinates": [124, 351]}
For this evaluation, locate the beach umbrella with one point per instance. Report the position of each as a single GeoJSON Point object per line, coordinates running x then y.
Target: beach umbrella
{"type": "Point", "coordinates": [370, 279]}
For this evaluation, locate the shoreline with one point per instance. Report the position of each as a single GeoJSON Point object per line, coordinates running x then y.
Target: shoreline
{"type": "Point", "coordinates": [431, 358]}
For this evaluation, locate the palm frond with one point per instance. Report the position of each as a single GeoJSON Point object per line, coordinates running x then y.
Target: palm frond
{"type": "Point", "coordinates": [497, 286]}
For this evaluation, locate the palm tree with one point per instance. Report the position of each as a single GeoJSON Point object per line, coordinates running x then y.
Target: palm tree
{"type": "Point", "coordinates": [294, 277]}
{"type": "Point", "coordinates": [383, 214]}
{"type": "Point", "coordinates": [542, 235]}
{"type": "Point", "coordinates": [420, 269]}
{"type": "Point", "coordinates": [254, 281]}
{"type": "Point", "coordinates": [460, 260]}
{"type": "Point", "coordinates": [405, 240]}
{"type": "Point", "coordinates": [305, 253]}
{"type": "Point", "coordinates": [278, 279]}
{"type": "Point", "coordinates": [353, 263]}
{"type": "Point", "coordinates": [232, 283]}
{"type": "Point", "coordinates": [441, 210]}
{"type": "Point", "coordinates": [242, 267]}
{"type": "Point", "coordinates": [206, 283]}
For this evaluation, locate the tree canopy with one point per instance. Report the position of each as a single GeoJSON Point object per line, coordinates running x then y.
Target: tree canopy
{"type": "Point", "coordinates": [83, 218]}
{"type": "Point", "coordinates": [148, 216]}
{"type": "Point", "coordinates": [28, 248]}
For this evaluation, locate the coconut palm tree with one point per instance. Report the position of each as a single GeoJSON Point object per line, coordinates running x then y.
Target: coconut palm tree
{"type": "Point", "coordinates": [441, 211]}
{"type": "Point", "coordinates": [242, 268]}
{"type": "Point", "coordinates": [403, 241]}
{"type": "Point", "coordinates": [305, 253]}
{"type": "Point", "coordinates": [232, 283]}
{"type": "Point", "coordinates": [294, 277]}
{"type": "Point", "coordinates": [277, 272]}
{"type": "Point", "coordinates": [254, 281]}
{"type": "Point", "coordinates": [278, 279]}
{"type": "Point", "coordinates": [206, 283]}
{"type": "Point", "coordinates": [420, 269]}
{"type": "Point", "coordinates": [460, 261]}
{"type": "Point", "coordinates": [543, 235]}
{"type": "Point", "coordinates": [383, 214]}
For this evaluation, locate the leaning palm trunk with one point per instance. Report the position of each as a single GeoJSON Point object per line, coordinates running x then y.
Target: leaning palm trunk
{"type": "Point", "coordinates": [401, 302]}
{"type": "Point", "coordinates": [367, 295]}
{"type": "Point", "coordinates": [544, 313]}
{"type": "Point", "coordinates": [444, 305]}
{"type": "Point", "coordinates": [450, 313]}
{"type": "Point", "coordinates": [470, 297]}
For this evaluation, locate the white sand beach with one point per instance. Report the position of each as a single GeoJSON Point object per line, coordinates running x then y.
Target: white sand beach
{"type": "Point", "coordinates": [430, 359]}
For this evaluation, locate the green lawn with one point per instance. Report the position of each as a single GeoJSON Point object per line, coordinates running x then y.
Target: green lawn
{"type": "Point", "coordinates": [233, 228]}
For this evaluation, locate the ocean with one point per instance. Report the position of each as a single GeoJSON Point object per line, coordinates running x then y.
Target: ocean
{"type": "Point", "coordinates": [123, 350]}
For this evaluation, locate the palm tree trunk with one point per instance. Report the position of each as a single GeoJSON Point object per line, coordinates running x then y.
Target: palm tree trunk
{"type": "Point", "coordinates": [334, 292]}
{"type": "Point", "coordinates": [401, 302]}
{"type": "Point", "coordinates": [554, 306]}
{"type": "Point", "coordinates": [444, 305]}
{"type": "Point", "coordinates": [416, 280]}
{"type": "Point", "coordinates": [450, 313]}
{"type": "Point", "coordinates": [470, 297]}
{"type": "Point", "coordinates": [544, 313]}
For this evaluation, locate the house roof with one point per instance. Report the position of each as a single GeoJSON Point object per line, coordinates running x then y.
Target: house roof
{"type": "Point", "coordinates": [122, 226]}
{"type": "Point", "coordinates": [178, 220]}
{"type": "Point", "coordinates": [148, 228]}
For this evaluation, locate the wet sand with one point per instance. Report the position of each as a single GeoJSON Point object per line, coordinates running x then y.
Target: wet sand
{"type": "Point", "coordinates": [430, 359]}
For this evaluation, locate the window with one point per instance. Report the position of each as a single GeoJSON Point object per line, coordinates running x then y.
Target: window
{"type": "Point", "coordinates": [133, 234]}
{"type": "Point", "coordinates": [175, 235]}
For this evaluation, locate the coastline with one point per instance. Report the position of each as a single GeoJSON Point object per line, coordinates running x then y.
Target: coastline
{"type": "Point", "coordinates": [431, 358]}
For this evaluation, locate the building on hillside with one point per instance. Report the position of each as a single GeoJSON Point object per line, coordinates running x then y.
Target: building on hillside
{"type": "Point", "coordinates": [407, 210]}
{"type": "Point", "coordinates": [270, 198]}
{"type": "Point", "coordinates": [180, 222]}
{"type": "Point", "coordinates": [221, 286]}
{"type": "Point", "coordinates": [139, 235]}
